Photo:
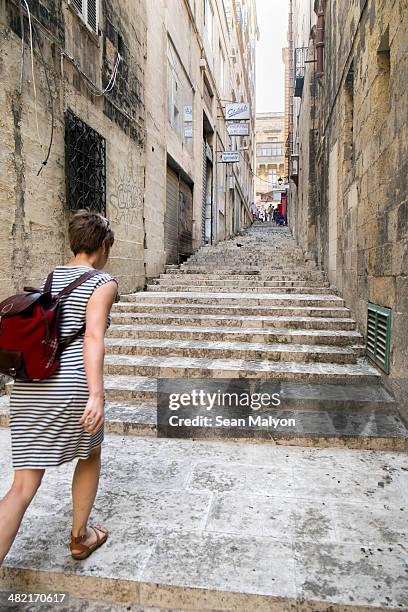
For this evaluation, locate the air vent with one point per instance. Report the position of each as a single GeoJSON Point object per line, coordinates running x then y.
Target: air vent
{"type": "Point", "coordinates": [378, 335]}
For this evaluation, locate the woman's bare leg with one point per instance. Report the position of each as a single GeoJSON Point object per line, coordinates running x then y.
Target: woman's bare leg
{"type": "Point", "coordinates": [14, 504]}
{"type": "Point", "coordinates": [84, 487]}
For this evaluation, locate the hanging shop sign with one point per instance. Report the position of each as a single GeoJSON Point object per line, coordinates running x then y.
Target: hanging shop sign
{"type": "Point", "coordinates": [229, 157]}
{"type": "Point", "coordinates": [238, 129]}
{"type": "Point", "coordinates": [237, 110]}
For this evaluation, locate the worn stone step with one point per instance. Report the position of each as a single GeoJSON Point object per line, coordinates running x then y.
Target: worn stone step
{"type": "Point", "coordinates": [234, 298]}
{"type": "Point", "coordinates": [187, 280]}
{"type": "Point", "coordinates": [197, 308]}
{"type": "Point", "coordinates": [252, 290]}
{"type": "Point", "coordinates": [264, 322]}
{"type": "Point", "coordinates": [237, 276]}
{"type": "Point", "coordinates": [248, 268]}
{"type": "Point", "coordinates": [330, 337]}
{"type": "Point", "coordinates": [356, 416]}
{"type": "Point", "coordinates": [194, 367]}
{"type": "Point", "coordinates": [304, 353]}
{"type": "Point", "coordinates": [222, 526]}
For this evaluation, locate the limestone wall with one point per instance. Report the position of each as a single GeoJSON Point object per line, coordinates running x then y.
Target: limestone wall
{"type": "Point", "coordinates": [361, 162]}
{"type": "Point", "coordinates": [34, 215]}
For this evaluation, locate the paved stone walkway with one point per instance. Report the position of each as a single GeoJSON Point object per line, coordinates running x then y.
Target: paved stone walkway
{"type": "Point", "coordinates": [324, 525]}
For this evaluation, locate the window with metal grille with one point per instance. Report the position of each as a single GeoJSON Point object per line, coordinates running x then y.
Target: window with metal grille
{"type": "Point", "coordinates": [88, 10]}
{"type": "Point", "coordinates": [379, 335]}
{"type": "Point", "coordinates": [85, 163]}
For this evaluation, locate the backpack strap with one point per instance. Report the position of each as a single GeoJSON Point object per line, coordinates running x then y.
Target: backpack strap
{"type": "Point", "coordinates": [76, 283]}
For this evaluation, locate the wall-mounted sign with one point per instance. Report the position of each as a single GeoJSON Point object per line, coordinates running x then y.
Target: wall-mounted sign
{"type": "Point", "coordinates": [237, 110]}
{"type": "Point", "coordinates": [230, 157]}
{"type": "Point", "coordinates": [238, 129]}
{"type": "Point", "coordinates": [188, 130]}
{"type": "Point", "coordinates": [188, 113]}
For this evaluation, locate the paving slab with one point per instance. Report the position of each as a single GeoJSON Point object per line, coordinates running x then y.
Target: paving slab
{"type": "Point", "coordinates": [196, 525]}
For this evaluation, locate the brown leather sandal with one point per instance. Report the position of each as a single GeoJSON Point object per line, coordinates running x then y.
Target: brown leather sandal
{"type": "Point", "coordinates": [78, 543]}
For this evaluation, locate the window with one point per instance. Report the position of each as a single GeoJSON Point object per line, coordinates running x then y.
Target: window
{"type": "Point", "coordinates": [88, 10]}
{"type": "Point", "coordinates": [85, 164]}
{"type": "Point", "coordinates": [271, 150]}
{"type": "Point", "coordinates": [222, 70]}
{"type": "Point", "coordinates": [209, 21]}
{"type": "Point", "coordinates": [173, 95]}
{"type": "Point", "coordinates": [383, 79]}
{"type": "Point", "coordinates": [349, 116]}
{"type": "Point", "coordinates": [272, 177]}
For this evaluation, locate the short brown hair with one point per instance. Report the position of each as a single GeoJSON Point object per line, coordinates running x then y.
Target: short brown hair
{"type": "Point", "coordinates": [88, 230]}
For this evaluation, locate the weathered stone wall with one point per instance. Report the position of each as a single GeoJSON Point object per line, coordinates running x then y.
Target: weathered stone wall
{"type": "Point", "coordinates": [361, 162]}
{"type": "Point", "coordinates": [34, 215]}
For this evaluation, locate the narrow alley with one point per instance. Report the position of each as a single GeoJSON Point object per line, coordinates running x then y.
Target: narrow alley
{"type": "Point", "coordinates": [229, 523]}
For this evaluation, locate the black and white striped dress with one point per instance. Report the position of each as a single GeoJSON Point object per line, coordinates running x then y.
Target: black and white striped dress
{"type": "Point", "coordinates": [44, 415]}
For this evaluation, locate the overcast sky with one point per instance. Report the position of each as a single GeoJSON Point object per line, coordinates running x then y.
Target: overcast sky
{"type": "Point", "coordinates": [273, 25]}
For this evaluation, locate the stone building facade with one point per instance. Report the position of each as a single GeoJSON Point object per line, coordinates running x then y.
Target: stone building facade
{"type": "Point", "coordinates": [130, 99]}
{"type": "Point", "coordinates": [97, 154]}
{"type": "Point", "coordinates": [270, 154]}
{"type": "Point", "coordinates": [349, 188]}
{"type": "Point", "coordinates": [202, 57]}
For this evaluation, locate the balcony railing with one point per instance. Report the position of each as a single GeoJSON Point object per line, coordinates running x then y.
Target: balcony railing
{"type": "Point", "coordinates": [300, 68]}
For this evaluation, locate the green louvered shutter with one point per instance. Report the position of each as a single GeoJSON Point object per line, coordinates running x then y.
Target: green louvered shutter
{"type": "Point", "coordinates": [379, 335]}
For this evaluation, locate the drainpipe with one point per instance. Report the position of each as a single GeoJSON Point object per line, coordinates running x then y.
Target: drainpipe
{"type": "Point", "coordinates": [320, 44]}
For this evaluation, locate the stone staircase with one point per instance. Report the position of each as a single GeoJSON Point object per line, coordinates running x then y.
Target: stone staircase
{"type": "Point", "coordinates": [235, 524]}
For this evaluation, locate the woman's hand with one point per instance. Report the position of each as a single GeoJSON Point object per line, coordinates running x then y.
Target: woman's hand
{"type": "Point", "coordinates": [94, 409]}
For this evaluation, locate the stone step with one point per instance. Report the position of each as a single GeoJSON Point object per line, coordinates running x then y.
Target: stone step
{"type": "Point", "coordinates": [264, 322]}
{"type": "Point", "coordinates": [186, 280]}
{"type": "Point", "coordinates": [241, 334]}
{"type": "Point", "coordinates": [290, 266]}
{"type": "Point", "coordinates": [356, 416]}
{"type": "Point", "coordinates": [242, 288]}
{"type": "Point", "coordinates": [248, 351]}
{"type": "Point", "coordinates": [196, 308]}
{"type": "Point", "coordinates": [244, 268]}
{"type": "Point", "coordinates": [234, 298]}
{"type": "Point", "coordinates": [220, 526]}
{"type": "Point", "coordinates": [248, 268]}
{"type": "Point", "coordinates": [195, 367]}
{"type": "Point", "coordinates": [278, 276]}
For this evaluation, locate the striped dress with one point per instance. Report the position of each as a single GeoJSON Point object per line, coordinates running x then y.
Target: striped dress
{"type": "Point", "coordinates": [44, 415]}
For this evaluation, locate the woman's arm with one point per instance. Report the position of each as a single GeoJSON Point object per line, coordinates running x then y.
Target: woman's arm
{"type": "Point", "coordinates": [97, 312]}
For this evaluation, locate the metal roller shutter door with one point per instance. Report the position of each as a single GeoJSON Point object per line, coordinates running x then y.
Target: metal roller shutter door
{"type": "Point", "coordinates": [171, 217]}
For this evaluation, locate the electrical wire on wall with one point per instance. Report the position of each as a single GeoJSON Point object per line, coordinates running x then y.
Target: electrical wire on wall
{"type": "Point", "coordinates": [44, 163]}
{"type": "Point", "coordinates": [33, 74]}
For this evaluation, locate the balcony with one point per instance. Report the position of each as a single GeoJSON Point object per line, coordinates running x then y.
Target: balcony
{"type": "Point", "coordinates": [300, 68]}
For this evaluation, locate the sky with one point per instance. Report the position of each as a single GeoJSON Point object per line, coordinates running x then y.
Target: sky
{"type": "Point", "coordinates": [273, 25]}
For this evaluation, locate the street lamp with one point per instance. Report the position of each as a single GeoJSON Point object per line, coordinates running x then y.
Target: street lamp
{"type": "Point", "coordinates": [280, 181]}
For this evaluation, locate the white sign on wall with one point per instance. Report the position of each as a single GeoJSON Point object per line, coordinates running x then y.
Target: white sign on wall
{"type": "Point", "coordinates": [188, 113]}
{"type": "Point", "coordinates": [188, 130]}
{"type": "Point", "coordinates": [237, 110]}
{"type": "Point", "coordinates": [238, 129]}
{"type": "Point", "coordinates": [230, 157]}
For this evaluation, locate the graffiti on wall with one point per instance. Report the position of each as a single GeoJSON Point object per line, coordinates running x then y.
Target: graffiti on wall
{"type": "Point", "coordinates": [126, 199]}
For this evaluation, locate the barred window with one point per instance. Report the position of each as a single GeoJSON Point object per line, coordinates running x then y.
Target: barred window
{"type": "Point", "coordinates": [85, 163]}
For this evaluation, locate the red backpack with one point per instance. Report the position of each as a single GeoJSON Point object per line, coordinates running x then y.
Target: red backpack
{"type": "Point", "coordinates": [30, 346]}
